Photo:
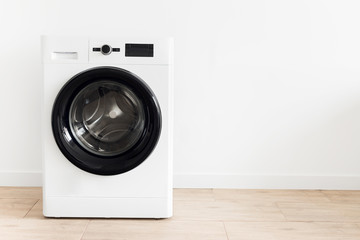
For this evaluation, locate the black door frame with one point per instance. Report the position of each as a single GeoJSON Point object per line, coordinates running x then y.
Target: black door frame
{"type": "Point", "coordinates": [90, 162]}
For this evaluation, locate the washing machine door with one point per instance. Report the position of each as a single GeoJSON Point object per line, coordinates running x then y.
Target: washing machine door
{"type": "Point", "coordinates": [106, 120]}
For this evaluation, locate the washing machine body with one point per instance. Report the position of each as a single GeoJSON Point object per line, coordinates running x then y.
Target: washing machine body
{"type": "Point", "coordinates": [107, 127]}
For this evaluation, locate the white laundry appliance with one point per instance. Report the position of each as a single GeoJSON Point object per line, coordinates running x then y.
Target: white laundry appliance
{"type": "Point", "coordinates": [107, 116]}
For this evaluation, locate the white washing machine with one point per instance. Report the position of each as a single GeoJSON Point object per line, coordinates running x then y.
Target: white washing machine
{"type": "Point", "coordinates": [107, 127]}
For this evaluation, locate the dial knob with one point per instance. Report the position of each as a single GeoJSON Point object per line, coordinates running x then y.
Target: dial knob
{"type": "Point", "coordinates": [106, 49]}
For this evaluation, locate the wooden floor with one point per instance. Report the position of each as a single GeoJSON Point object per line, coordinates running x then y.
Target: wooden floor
{"type": "Point", "coordinates": [209, 214]}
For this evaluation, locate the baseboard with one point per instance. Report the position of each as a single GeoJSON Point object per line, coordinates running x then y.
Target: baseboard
{"type": "Point", "coordinates": [34, 179]}
{"type": "Point", "coordinates": [266, 181]}
{"type": "Point", "coordinates": [21, 179]}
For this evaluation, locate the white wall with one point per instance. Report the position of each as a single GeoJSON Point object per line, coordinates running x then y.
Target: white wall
{"type": "Point", "coordinates": [267, 93]}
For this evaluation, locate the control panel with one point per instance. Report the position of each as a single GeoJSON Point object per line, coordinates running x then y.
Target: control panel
{"type": "Point", "coordinates": [131, 50]}
{"type": "Point", "coordinates": [107, 51]}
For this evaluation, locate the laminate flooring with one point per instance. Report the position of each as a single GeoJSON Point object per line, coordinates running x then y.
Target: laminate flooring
{"type": "Point", "coordinates": [211, 214]}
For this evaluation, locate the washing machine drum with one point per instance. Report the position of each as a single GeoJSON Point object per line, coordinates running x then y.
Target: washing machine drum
{"type": "Point", "coordinates": [106, 120]}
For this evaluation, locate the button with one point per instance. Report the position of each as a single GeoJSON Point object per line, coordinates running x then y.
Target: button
{"type": "Point", "coordinates": [106, 49]}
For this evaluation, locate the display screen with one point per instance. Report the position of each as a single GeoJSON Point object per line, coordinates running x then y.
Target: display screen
{"type": "Point", "coordinates": [139, 50]}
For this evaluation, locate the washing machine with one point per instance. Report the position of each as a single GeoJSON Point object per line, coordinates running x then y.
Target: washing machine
{"type": "Point", "coordinates": [107, 127]}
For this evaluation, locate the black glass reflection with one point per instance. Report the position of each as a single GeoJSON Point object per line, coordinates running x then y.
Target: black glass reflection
{"type": "Point", "coordinates": [106, 118]}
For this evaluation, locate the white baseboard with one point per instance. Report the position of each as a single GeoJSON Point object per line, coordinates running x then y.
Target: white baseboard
{"type": "Point", "coordinates": [20, 179]}
{"type": "Point", "coordinates": [33, 179]}
{"type": "Point", "coordinates": [266, 182]}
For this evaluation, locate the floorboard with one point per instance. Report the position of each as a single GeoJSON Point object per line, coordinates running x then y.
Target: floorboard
{"type": "Point", "coordinates": [221, 214]}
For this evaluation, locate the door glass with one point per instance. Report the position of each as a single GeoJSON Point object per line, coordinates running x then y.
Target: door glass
{"type": "Point", "coordinates": [106, 118]}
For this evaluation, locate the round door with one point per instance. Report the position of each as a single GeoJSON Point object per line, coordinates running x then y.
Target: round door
{"type": "Point", "coordinates": [106, 120]}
